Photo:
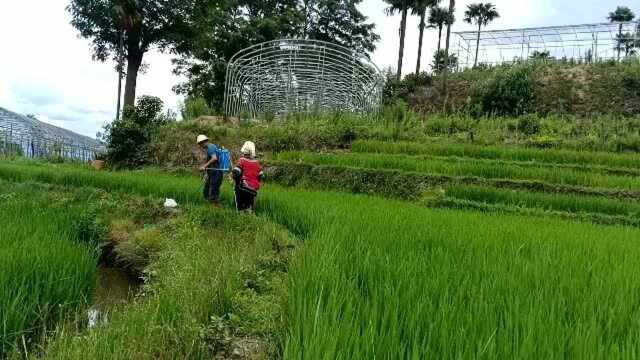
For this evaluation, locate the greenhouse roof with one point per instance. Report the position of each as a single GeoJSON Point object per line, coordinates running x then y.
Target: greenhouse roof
{"type": "Point", "coordinates": [16, 125]}
{"type": "Point", "coordinates": [549, 34]}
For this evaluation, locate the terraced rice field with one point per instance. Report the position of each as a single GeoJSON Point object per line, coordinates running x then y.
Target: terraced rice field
{"type": "Point", "coordinates": [384, 278]}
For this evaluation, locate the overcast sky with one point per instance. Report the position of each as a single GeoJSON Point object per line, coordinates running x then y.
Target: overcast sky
{"type": "Point", "coordinates": [45, 69]}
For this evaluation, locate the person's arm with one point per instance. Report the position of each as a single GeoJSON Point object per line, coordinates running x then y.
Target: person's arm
{"type": "Point", "coordinates": [207, 165]}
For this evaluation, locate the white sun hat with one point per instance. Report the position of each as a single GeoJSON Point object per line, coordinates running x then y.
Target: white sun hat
{"type": "Point", "coordinates": [249, 148]}
{"type": "Point", "coordinates": [202, 138]}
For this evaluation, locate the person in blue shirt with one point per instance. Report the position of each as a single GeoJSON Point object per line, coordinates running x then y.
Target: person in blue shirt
{"type": "Point", "coordinates": [214, 175]}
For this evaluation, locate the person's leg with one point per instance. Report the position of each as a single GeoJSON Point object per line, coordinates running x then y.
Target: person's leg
{"type": "Point", "coordinates": [237, 196]}
{"type": "Point", "coordinates": [251, 202]}
{"type": "Point", "coordinates": [242, 200]}
{"type": "Point", "coordinates": [216, 183]}
{"type": "Point", "coordinates": [207, 187]}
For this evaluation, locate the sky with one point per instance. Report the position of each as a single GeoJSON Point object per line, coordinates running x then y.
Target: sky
{"type": "Point", "coordinates": [47, 70]}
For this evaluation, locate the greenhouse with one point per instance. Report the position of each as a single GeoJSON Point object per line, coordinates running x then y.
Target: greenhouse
{"type": "Point", "coordinates": [27, 136]}
{"type": "Point", "coordinates": [301, 76]}
{"type": "Point", "coordinates": [580, 43]}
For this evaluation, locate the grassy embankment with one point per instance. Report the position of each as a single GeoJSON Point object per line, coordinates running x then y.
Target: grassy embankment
{"type": "Point", "coordinates": [436, 283]}
{"type": "Point", "coordinates": [231, 269]}
{"type": "Point", "coordinates": [569, 184]}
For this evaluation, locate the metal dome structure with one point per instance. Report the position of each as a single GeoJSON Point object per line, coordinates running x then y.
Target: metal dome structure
{"type": "Point", "coordinates": [301, 76]}
{"type": "Point", "coordinates": [32, 138]}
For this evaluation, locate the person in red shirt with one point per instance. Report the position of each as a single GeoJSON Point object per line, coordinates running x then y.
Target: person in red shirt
{"type": "Point", "coordinates": [247, 176]}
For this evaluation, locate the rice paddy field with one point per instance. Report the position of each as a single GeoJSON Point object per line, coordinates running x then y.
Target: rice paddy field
{"type": "Point", "coordinates": [47, 271]}
{"type": "Point", "coordinates": [541, 275]}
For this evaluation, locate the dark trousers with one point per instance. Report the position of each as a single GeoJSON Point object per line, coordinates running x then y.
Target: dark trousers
{"type": "Point", "coordinates": [211, 190]}
{"type": "Point", "coordinates": [245, 199]}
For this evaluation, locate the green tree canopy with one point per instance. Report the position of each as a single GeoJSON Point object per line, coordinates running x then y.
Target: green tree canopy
{"type": "Point", "coordinates": [439, 17]}
{"type": "Point", "coordinates": [228, 29]}
{"type": "Point", "coordinates": [621, 14]}
{"type": "Point", "coordinates": [140, 24]}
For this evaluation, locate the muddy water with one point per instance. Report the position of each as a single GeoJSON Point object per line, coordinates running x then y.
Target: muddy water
{"type": "Point", "coordinates": [114, 287]}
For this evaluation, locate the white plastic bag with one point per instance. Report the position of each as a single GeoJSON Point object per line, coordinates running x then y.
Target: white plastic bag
{"type": "Point", "coordinates": [170, 203]}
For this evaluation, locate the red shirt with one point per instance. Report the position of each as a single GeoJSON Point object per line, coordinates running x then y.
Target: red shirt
{"type": "Point", "coordinates": [250, 172]}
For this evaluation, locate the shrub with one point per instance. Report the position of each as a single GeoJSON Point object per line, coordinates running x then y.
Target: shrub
{"type": "Point", "coordinates": [529, 125]}
{"type": "Point", "coordinates": [508, 93]}
{"type": "Point", "coordinates": [128, 138]}
{"type": "Point", "coordinates": [193, 108]}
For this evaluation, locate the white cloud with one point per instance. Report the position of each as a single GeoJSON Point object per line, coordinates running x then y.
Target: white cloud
{"type": "Point", "coordinates": [47, 70]}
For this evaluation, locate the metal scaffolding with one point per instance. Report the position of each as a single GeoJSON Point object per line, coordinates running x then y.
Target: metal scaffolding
{"type": "Point", "coordinates": [22, 135]}
{"type": "Point", "coordinates": [582, 43]}
{"type": "Point", "coordinates": [285, 76]}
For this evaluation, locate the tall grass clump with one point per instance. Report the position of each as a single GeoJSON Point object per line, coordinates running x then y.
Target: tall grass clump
{"type": "Point", "coordinates": [46, 272]}
{"type": "Point", "coordinates": [500, 152]}
{"type": "Point", "coordinates": [562, 176]}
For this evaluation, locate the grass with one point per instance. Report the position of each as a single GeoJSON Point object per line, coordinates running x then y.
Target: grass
{"type": "Point", "coordinates": [501, 152]}
{"type": "Point", "coordinates": [46, 272]}
{"type": "Point", "coordinates": [551, 202]}
{"type": "Point", "coordinates": [427, 283]}
{"type": "Point", "coordinates": [451, 284]}
{"type": "Point", "coordinates": [197, 301]}
{"type": "Point", "coordinates": [478, 169]}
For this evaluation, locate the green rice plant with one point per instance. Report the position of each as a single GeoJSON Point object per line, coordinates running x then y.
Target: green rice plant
{"type": "Point", "coordinates": [46, 272]}
{"type": "Point", "coordinates": [552, 202]}
{"type": "Point", "coordinates": [467, 168]}
{"type": "Point", "coordinates": [500, 152]}
{"type": "Point", "coordinates": [393, 280]}
{"type": "Point", "coordinates": [390, 279]}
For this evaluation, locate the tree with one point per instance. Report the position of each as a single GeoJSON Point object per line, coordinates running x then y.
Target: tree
{"type": "Point", "coordinates": [543, 56]}
{"type": "Point", "coordinates": [452, 8]}
{"type": "Point", "coordinates": [439, 64]}
{"type": "Point", "coordinates": [402, 7]}
{"type": "Point", "coordinates": [127, 138]}
{"type": "Point", "coordinates": [339, 22]}
{"type": "Point", "coordinates": [621, 14]}
{"type": "Point", "coordinates": [141, 24]}
{"type": "Point", "coordinates": [438, 18]}
{"type": "Point", "coordinates": [420, 8]}
{"type": "Point", "coordinates": [222, 31]}
{"type": "Point", "coordinates": [480, 14]}
{"type": "Point", "coordinates": [626, 43]}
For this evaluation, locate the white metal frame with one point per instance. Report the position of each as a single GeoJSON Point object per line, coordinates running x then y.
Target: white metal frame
{"type": "Point", "coordinates": [300, 76]}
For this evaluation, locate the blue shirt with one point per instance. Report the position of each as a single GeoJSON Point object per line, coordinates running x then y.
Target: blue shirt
{"type": "Point", "coordinates": [211, 151]}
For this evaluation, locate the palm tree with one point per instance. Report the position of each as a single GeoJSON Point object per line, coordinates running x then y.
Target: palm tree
{"type": "Point", "coordinates": [621, 15]}
{"type": "Point", "coordinates": [438, 18]}
{"type": "Point", "coordinates": [452, 10]}
{"type": "Point", "coordinates": [400, 6]}
{"type": "Point", "coordinates": [420, 8]}
{"type": "Point", "coordinates": [481, 14]}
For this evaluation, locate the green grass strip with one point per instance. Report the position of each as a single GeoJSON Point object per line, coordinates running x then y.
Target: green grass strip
{"type": "Point", "coordinates": [500, 152]}
{"type": "Point", "coordinates": [595, 218]}
{"type": "Point", "coordinates": [558, 202]}
{"type": "Point", "coordinates": [466, 168]}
